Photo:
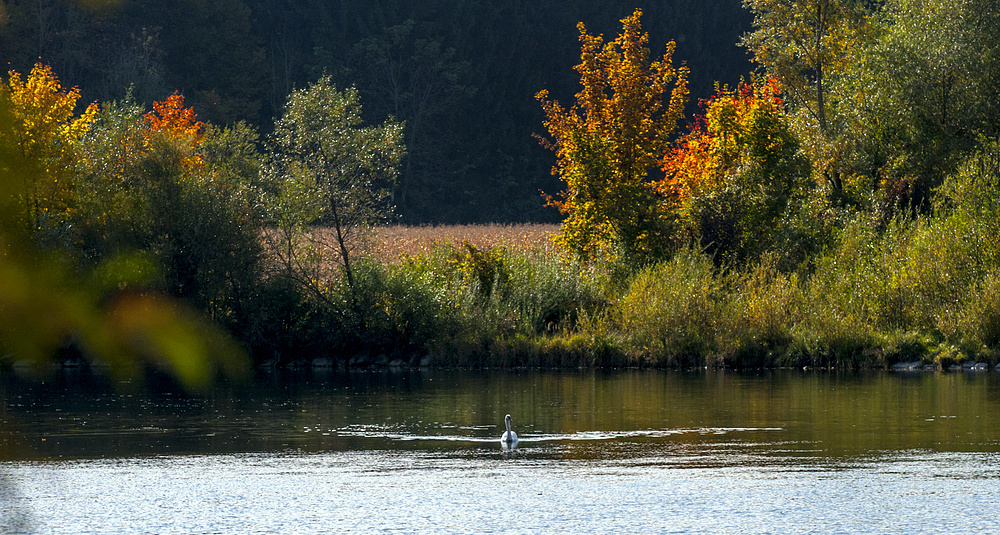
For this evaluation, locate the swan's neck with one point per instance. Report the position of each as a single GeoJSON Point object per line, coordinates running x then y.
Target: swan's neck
{"type": "Point", "coordinates": [509, 438]}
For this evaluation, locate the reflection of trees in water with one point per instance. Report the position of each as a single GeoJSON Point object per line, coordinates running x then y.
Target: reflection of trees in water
{"type": "Point", "coordinates": [13, 518]}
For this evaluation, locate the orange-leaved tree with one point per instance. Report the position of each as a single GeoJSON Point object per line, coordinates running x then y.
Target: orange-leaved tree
{"type": "Point", "coordinates": [728, 178]}
{"type": "Point", "coordinates": [46, 131]}
{"type": "Point", "coordinates": [180, 124]}
{"type": "Point", "coordinates": [609, 140]}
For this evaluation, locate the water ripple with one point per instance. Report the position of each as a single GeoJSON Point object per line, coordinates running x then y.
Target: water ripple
{"type": "Point", "coordinates": [394, 433]}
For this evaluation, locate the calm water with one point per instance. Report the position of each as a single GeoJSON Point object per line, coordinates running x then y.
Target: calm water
{"type": "Point", "coordinates": [418, 452]}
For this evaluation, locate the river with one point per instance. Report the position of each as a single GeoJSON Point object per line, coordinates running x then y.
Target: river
{"type": "Point", "coordinates": [636, 451]}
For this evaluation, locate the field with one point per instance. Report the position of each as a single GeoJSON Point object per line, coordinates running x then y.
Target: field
{"type": "Point", "coordinates": [391, 243]}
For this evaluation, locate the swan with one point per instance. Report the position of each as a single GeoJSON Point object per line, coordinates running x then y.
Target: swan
{"type": "Point", "coordinates": [509, 438]}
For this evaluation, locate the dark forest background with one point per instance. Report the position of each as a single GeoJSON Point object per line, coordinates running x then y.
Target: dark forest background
{"type": "Point", "coordinates": [462, 74]}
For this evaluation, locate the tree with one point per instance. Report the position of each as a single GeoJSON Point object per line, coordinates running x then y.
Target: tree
{"type": "Point", "coordinates": [609, 140]}
{"type": "Point", "coordinates": [729, 177]}
{"type": "Point", "coordinates": [331, 170]}
{"type": "Point", "coordinates": [926, 97]}
{"type": "Point", "coordinates": [46, 130]}
{"type": "Point", "coordinates": [170, 118]}
{"type": "Point", "coordinates": [802, 43]}
{"type": "Point", "coordinates": [48, 303]}
{"type": "Point", "coordinates": [807, 45]}
{"type": "Point", "coordinates": [183, 195]}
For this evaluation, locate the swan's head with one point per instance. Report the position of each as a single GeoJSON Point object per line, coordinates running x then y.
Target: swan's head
{"type": "Point", "coordinates": [507, 418]}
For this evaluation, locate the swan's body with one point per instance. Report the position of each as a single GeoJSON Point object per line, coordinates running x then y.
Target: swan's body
{"type": "Point", "coordinates": [509, 438]}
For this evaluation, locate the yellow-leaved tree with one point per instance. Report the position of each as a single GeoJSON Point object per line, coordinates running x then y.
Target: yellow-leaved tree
{"type": "Point", "coordinates": [45, 130]}
{"type": "Point", "coordinates": [607, 143]}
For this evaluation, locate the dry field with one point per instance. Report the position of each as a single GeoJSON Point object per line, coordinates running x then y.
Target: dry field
{"type": "Point", "coordinates": [390, 243]}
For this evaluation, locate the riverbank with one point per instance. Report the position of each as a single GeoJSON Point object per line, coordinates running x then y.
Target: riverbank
{"type": "Point", "coordinates": [878, 299]}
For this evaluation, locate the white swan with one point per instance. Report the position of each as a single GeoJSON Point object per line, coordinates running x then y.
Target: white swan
{"type": "Point", "coordinates": [509, 438]}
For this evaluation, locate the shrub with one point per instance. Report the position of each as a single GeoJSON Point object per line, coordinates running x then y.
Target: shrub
{"type": "Point", "coordinates": [758, 314]}
{"type": "Point", "coordinates": [669, 312]}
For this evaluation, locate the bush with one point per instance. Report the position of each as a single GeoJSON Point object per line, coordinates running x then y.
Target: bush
{"type": "Point", "coordinates": [759, 312]}
{"type": "Point", "coordinates": [669, 313]}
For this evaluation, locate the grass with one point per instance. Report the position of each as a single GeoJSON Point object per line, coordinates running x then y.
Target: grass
{"type": "Point", "coordinates": [392, 243]}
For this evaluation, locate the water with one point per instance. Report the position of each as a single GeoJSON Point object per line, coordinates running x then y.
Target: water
{"type": "Point", "coordinates": [418, 452]}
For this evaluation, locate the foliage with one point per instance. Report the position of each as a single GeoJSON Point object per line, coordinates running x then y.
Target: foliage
{"type": "Point", "coordinates": [758, 314]}
{"type": "Point", "coordinates": [50, 306]}
{"type": "Point", "coordinates": [670, 310]}
{"type": "Point", "coordinates": [329, 169]}
{"type": "Point", "coordinates": [925, 96]}
{"type": "Point", "coordinates": [608, 141]}
{"type": "Point", "coordinates": [172, 118]}
{"type": "Point", "coordinates": [483, 270]}
{"type": "Point", "coordinates": [45, 130]}
{"type": "Point", "coordinates": [117, 225]}
{"type": "Point", "coordinates": [808, 47]}
{"type": "Point", "coordinates": [188, 199]}
{"type": "Point", "coordinates": [729, 177]}
{"type": "Point", "coordinates": [803, 44]}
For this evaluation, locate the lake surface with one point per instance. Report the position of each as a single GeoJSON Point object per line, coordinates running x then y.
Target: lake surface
{"type": "Point", "coordinates": [418, 452]}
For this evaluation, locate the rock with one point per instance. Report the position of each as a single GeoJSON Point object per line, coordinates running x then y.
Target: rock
{"type": "Point", "coordinates": [967, 365]}
{"type": "Point", "coordinates": [382, 360]}
{"type": "Point", "coordinates": [398, 363]}
{"type": "Point", "coordinates": [899, 366]}
{"type": "Point", "coordinates": [359, 361]}
{"type": "Point", "coordinates": [930, 367]}
{"type": "Point", "coordinates": [426, 361]}
{"type": "Point", "coordinates": [981, 366]}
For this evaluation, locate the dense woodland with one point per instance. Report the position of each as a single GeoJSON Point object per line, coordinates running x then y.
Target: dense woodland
{"type": "Point", "coordinates": [181, 194]}
{"type": "Point", "coordinates": [460, 74]}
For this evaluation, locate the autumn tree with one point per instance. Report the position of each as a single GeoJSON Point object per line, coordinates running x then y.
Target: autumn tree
{"type": "Point", "coordinates": [46, 130]}
{"type": "Point", "coordinates": [730, 176]}
{"type": "Point", "coordinates": [179, 193]}
{"type": "Point", "coordinates": [49, 303]}
{"type": "Point", "coordinates": [330, 169]}
{"type": "Point", "coordinates": [170, 118]}
{"type": "Point", "coordinates": [609, 140]}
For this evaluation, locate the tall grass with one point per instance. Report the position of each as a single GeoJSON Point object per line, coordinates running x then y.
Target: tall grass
{"type": "Point", "coordinates": [670, 311]}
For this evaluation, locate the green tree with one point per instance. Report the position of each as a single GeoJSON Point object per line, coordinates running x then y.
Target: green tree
{"type": "Point", "coordinates": [807, 45]}
{"type": "Point", "coordinates": [925, 97]}
{"type": "Point", "coordinates": [802, 43]}
{"type": "Point", "coordinates": [185, 195]}
{"type": "Point", "coordinates": [331, 170]}
{"type": "Point", "coordinates": [102, 308]}
{"type": "Point", "coordinates": [609, 140]}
